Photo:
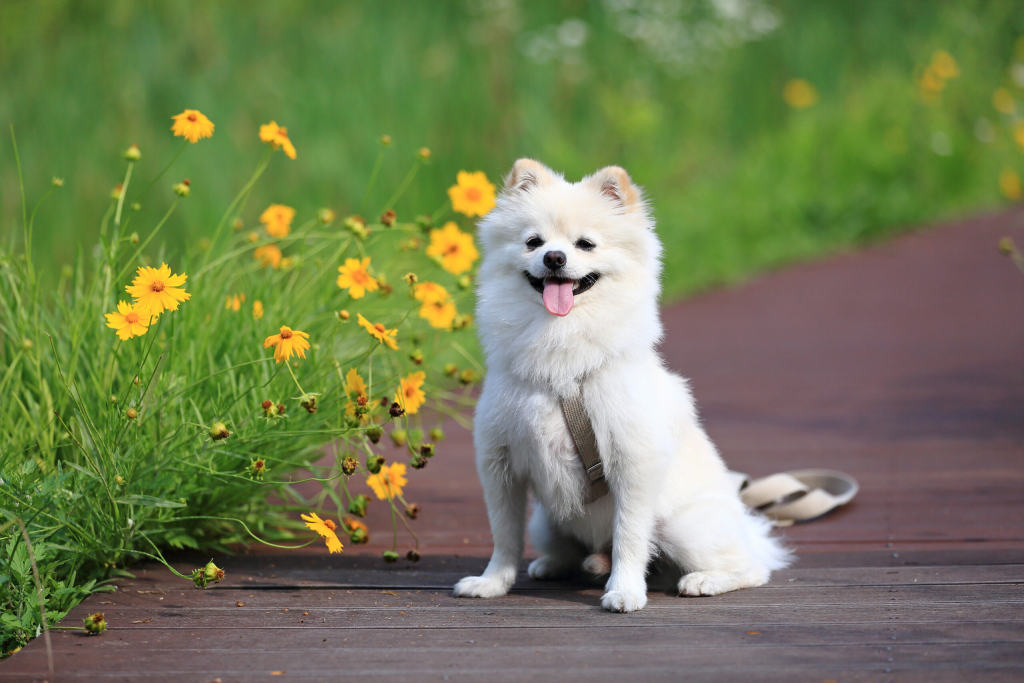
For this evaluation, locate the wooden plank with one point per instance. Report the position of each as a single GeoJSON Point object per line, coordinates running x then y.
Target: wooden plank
{"type": "Point", "coordinates": [438, 576]}
{"type": "Point", "coordinates": [471, 658]}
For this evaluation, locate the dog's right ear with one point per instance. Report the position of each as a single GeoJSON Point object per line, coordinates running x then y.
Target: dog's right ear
{"type": "Point", "coordinates": [525, 174]}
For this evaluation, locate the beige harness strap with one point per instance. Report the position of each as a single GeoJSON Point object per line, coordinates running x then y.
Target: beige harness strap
{"type": "Point", "coordinates": [586, 445]}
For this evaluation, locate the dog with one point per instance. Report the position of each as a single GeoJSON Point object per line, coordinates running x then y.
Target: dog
{"type": "Point", "coordinates": [567, 305]}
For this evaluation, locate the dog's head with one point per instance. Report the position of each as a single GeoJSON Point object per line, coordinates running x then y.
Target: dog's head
{"type": "Point", "coordinates": [571, 271]}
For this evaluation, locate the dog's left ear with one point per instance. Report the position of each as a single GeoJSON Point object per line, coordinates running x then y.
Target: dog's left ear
{"type": "Point", "coordinates": [613, 182]}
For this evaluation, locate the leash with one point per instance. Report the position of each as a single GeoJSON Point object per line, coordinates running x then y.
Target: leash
{"type": "Point", "coordinates": [785, 497]}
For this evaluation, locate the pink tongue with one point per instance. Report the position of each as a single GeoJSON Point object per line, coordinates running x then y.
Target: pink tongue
{"type": "Point", "coordinates": [558, 297]}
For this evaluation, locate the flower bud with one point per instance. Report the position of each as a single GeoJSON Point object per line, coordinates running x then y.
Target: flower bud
{"type": "Point", "coordinates": [95, 624]}
{"type": "Point", "coordinates": [427, 450]}
{"type": "Point", "coordinates": [119, 480]}
{"type": "Point", "coordinates": [133, 153]}
{"type": "Point", "coordinates": [1007, 247]}
{"type": "Point", "coordinates": [385, 140]}
{"type": "Point", "coordinates": [396, 410]}
{"type": "Point", "coordinates": [412, 556]}
{"type": "Point", "coordinates": [344, 315]}
{"type": "Point", "coordinates": [253, 236]}
{"type": "Point", "coordinates": [416, 357]}
{"type": "Point", "coordinates": [375, 433]}
{"type": "Point", "coordinates": [112, 399]}
{"type": "Point", "coordinates": [137, 382]}
{"type": "Point", "coordinates": [134, 238]}
{"type": "Point", "coordinates": [424, 154]}
{"type": "Point", "coordinates": [58, 182]}
{"type": "Point", "coordinates": [213, 572]}
{"type": "Point", "coordinates": [462, 321]}
{"type": "Point", "coordinates": [410, 279]}
{"type": "Point", "coordinates": [218, 431]}
{"type": "Point", "coordinates": [131, 413]}
{"type": "Point", "coordinates": [385, 401]}
{"type": "Point", "coordinates": [182, 189]}
{"type": "Point", "coordinates": [373, 463]}
{"type": "Point", "coordinates": [116, 192]}
{"type": "Point", "coordinates": [280, 409]}
{"type": "Point", "coordinates": [465, 282]}
{"type": "Point", "coordinates": [417, 462]}
{"type": "Point", "coordinates": [358, 506]}
{"type": "Point", "coordinates": [399, 436]}
{"type": "Point", "coordinates": [390, 556]}
{"type": "Point", "coordinates": [27, 344]}
{"type": "Point", "coordinates": [467, 377]}
{"type": "Point", "coordinates": [388, 218]}
{"type": "Point", "coordinates": [257, 468]}
{"type": "Point", "coordinates": [348, 466]}
{"type": "Point", "coordinates": [412, 510]}
{"type": "Point", "coordinates": [309, 405]}
{"type": "Point", "coordinates": [437, 434]}
{"type": "Point", "coordinates": [67, 271]}
{"type": "Point", "coordinates": [451, 369]}
{"type": "Point", "coordinates": [359, 536]}
{"type": "Point", "coordinates": [326, 216]}
{"type": "Point", "coordinates": [269, 409]}
{"type": "Point", "coordinates": [136, 206]}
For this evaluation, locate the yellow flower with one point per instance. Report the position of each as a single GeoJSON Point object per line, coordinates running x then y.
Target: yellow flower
{"type": "Point", "coordinates": [278, 137]}
{"type": "Point", "coordinates": [269, 254]}
{"type": "Point", "coordinates": [440, 314]}
{"type": "Point", "coordinates": [1009, 183]}
{"type": "Point", "coordinates": [800, 94]}
{"type": "Point", "coordinates": [1018, 133]}
{"type": "Point", "coordinates": [355, 278]}
{"type": "Point", "coordinates": [128, 322]}
{"type": "Point", "coordinates": [354, 384]}
{"type": "Point", "coordinates": [155, 290]}
{"type": "Point", "coordinates": [192, 125]}
{"type": "Point", "coordinates": [235, 302]}
{"type": "Point", "coordinates": [430, 292]}
{"type": "Point", "coordinates": [354, 524]}
{"type": "Point", "coordinates": [472, 194]}
{"type": "Point", "coordinates": [257, 309]}
{"type": "Point", "coordinates": [409, 394]}
{"type": "Point", "coordinates": [325, 528]}
{"type": "Point", "coordinates": [944, 65]}
{"type": "Point", "coordinates": [389, 481]}
{"type": "Point", "coordinates": [454, 248]}
{"type": "Point", "coordinates": [379, 332]}
{"type": "Point", "coordinates": [286, 343]}
{"type": "Point", "coordinates": [278, 219]}
{"type": "Point", "coordinates": [1002, 100]}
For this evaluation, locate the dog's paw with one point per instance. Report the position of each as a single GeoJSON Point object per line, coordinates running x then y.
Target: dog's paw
{"type": "Point", "coordinates": [624, 601]}
{"type": "Point", "coordinates": [546, 569]}
{"type": "Point", "coordinates": [480, 587]}
{"type": "Point", "coordinates": [598, 564]}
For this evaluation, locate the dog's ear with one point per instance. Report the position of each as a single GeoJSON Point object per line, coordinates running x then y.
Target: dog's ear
{"type": "Point", "coordinates": [527, 173]}
{"type": "Point", "coordinates": [613, 182]}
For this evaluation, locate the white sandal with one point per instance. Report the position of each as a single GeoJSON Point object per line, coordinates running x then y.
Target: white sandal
{"type": "Point", "coordinates": [796, 496]}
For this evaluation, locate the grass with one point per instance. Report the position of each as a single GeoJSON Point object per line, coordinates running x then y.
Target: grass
{"type": "Point", "coordinates": [113, 449]}
{"type": "Point", "coordinates": [739, 181]}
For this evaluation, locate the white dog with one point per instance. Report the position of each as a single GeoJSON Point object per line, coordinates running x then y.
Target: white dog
{"type": "Point", "coordinates": [568, 303]}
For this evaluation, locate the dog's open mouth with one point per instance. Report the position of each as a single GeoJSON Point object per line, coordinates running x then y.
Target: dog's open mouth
{"type": "Point", "coordinates": [559, 293]}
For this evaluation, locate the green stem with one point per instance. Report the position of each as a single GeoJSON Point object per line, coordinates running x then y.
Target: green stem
{"type": "Point", "coordinates": [124, 191]}
{"type": "Point", "coordinates": [160, 175]}
{"type": "Point", "coordinates": [260, 168]}
{"type": "Point", "coordinates": [405, 184]}
{"type": "Point", "coordinates": [373, 177]}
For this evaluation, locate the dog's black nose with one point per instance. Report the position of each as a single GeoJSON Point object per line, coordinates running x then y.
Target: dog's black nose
{"type": "Point", "coordinates": [554, 259]}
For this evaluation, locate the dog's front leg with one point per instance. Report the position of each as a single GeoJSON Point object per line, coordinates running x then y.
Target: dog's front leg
{"type": "Point", "coordinates": [506, 508]}
{"type": "Point", "coordinates": [626, 590]}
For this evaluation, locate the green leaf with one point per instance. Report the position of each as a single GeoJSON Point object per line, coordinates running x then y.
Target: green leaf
{"type": "Point", "coordinates": [150, 501]}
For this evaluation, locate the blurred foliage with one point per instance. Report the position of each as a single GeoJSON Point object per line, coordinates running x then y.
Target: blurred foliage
{"type": "Point", "coordinates": [686, 94]}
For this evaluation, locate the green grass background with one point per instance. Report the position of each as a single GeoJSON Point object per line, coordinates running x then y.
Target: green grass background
{"type": "Point", "coordinates": [739, 181]}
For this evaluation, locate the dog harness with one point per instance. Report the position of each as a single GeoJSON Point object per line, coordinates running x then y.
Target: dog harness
{"type": "Point", "coordinates": [582, 431]}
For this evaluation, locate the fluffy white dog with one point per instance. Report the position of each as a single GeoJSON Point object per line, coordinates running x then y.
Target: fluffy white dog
{"type": "Point", "coordinates": [568, 303]}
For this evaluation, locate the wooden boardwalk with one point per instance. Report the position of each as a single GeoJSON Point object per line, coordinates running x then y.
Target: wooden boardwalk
{"type": "Point", "coordinates": [902, 365]}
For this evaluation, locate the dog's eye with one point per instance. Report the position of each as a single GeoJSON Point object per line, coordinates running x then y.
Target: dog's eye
{"type": "Point", "coordinates": [534, 242]}
{"type": "Point", "coordinates": [585, 244]}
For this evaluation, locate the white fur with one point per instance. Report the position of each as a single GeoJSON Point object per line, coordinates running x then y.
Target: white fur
{"type": "Point", "coordinates": [670, 495]}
